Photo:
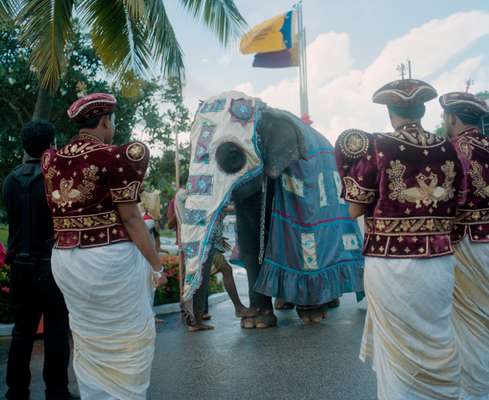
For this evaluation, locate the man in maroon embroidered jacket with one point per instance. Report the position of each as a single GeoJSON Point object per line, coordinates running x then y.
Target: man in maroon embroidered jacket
{"type": "Point", "coordinates": [406, 183]}
{"type": "Point", "coordinates": [463, 115]}
{"type": "Point", "coordinates": [103, 261]}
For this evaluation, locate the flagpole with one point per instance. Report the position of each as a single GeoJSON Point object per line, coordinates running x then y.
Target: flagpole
{"type": "Point", "coordinates": [304, 102]}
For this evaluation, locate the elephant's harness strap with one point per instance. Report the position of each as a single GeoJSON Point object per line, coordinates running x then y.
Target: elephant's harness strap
{"type": "Point", "coordinates": [263, 212]}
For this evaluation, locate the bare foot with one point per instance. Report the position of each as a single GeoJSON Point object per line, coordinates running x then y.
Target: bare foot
{"type": "Point", "coordinates": [245, 312]}
{"type": "Point", "coordinates": [200, 327]}
{"type": "Point", "coordinates": [206, 317]}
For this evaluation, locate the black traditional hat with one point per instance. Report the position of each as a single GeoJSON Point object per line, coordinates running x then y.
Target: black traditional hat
{"type": "Point", "coordinates": [404, 93]}
{"type": "Point", "coordinates": [464, 103]}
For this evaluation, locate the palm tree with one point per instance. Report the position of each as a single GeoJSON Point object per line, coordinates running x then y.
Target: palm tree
{"type": "Point", "coordinates": [129, 36]}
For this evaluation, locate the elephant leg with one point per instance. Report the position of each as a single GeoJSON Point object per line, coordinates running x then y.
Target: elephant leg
{"type": "Point", "coordinates": [303, 314]}
{"type": "Point", "coordinates": [281, 304]}
{"type": "Point", "coordinates": [248, 223]}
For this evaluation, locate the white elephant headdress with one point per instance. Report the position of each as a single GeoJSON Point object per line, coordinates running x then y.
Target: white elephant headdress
{"type": "Point", "coordinates": [229, 117]}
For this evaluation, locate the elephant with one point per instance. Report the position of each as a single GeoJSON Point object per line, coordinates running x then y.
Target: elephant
{"type": "Point", "coordinates": [295, 236]}
{"type": "Point", "coordinates": [281, 138]}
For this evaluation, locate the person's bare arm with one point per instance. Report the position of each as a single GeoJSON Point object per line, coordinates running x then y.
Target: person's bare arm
{"type": "Point", "coordinates": [356, 210]}
{"type": "Point", "coordinates": [134, 223]}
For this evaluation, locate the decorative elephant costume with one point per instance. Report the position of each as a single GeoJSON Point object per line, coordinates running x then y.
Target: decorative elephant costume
{"type": "Point", "coordinates": [296, 239]}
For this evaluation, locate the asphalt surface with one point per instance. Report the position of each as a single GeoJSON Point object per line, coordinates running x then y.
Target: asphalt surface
{"type": "Point", "coordinates": [290, 362]}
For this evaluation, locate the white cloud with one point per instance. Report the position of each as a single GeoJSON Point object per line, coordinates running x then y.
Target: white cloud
{"type": "Point", "coordinates": [340, 96]}
{"type": "Point", "coordinates": [225, 60]}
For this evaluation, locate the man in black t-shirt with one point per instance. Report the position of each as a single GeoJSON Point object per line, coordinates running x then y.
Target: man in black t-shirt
{"type": "Point", "coordinates": [33, 290]}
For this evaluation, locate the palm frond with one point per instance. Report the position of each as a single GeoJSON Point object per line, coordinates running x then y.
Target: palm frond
{"type": "Point", "coordinates": [4, 11]}
{"type": "Point", "coordinates": [136, 8]}
{"type": "Point", "coordinates": [221, 16]}
{"type": "Point", "coordinates": [163, 42]}
{"type": "Point", "coordinates": [46, 25]}
{"type": "Point", "coordinates": [119, 38]}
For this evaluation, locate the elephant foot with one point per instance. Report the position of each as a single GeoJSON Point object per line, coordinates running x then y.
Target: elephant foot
{"type": "Point", "coordinates": [312, 316]}
{"type": "Point", "coordinates": [304, 315]}
{"type": "Point", "coordinates": [266, 319]}
{"type": "Point", "coordinates": [245, 312]}
{"type": "Point", "coordinates": [248, 323]}
{"type": "Point", "coordinates": [333, 303]}
{"type": "Point", "coordinates": [317, 315]}
{"type": "Point", "coordinates": [281, 304]}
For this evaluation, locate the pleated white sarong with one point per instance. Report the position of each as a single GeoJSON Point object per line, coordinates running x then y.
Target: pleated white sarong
{"type": "Point", "coordinates": [109, 295]}
{"type": "Point", "coordinates": [408, 330]}
{"type": "Point", "coordinates": [471, 317]}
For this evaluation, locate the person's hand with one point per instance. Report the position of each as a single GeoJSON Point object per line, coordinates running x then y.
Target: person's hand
{"type": "Point", "coordinates": [159, 277]}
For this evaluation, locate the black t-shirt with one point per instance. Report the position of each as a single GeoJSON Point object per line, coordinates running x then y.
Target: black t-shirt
{"type": "Point", "coordinates": [29, 218]}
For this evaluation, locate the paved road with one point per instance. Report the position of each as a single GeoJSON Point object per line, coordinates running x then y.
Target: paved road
{"type": "Point", "coordinates": [291, 362]}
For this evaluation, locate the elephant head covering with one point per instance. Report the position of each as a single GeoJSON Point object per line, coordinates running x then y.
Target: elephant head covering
{"type": "Point", "coordinates": [229, 117]}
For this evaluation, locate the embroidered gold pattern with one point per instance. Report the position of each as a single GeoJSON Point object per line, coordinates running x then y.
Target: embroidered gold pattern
{"type": "Point", "coordinates": [409, 226]}
{"type": "Point", "coordinates": [86, 222]}
{"type": "Point", "coordinates": [357, 193]}
{"type": "Point", "coordinates": [427, 192]}
{"type": "Point", "coordinates": [471, 217]}
{"type": "Point", "coordinates": [353, 143]}
{"type": "Point", "coordinates": [136, 151]}
{"type": "Point", "coordinates": [480, 185]}
{"type": "Point", "coordinates": [66, 195]}
{"type": "Point", "coordinates": [126, 193]}
{"type": "Point", "coordinates": [415, 136]}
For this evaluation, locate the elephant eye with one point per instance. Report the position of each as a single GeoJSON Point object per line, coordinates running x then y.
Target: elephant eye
{"type": "Point", "coordinates": [230, 157]}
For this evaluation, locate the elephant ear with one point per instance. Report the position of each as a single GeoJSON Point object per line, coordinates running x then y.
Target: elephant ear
{"type": "Point", "coordinates": [282, 140]}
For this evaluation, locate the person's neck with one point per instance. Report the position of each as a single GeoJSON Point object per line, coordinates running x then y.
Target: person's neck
{"type": "Point", "coordinates": [92, 134]}
{"type": "Point", "coordinates": [465, 128]}
{"type": "Point", "coordinates": [407, 123]}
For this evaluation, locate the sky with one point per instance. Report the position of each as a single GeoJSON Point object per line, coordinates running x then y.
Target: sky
{"type": "Point", "coordinates": [353, 47]}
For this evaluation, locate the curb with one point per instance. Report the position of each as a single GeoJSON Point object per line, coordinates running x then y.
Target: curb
{"type": "Point", "coordinates": [175, 307]}
{"type": "Point", "coordinates": [6, 329]}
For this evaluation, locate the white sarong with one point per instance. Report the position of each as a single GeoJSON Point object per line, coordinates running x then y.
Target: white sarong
{"type": "Point", "coordinates": [408, 330]}
{"type": "Point", "coordinates": [471, 317]}
{"type": "Point", "coordinates": [109, 295]}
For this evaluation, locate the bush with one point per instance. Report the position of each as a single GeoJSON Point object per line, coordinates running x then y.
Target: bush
{"type": "Point", "coordinates": [5, 311]}
{"type": "Point", "coordinates": [171, 292]}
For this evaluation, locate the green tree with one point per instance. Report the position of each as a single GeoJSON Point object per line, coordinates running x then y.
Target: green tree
{"type": "Point", "coordinates": [84, 68]}
{"type": "Point", "coordinates": [129, 36]}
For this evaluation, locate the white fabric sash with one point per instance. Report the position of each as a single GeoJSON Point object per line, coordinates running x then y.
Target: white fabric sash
{"type": "Point", "coordinates": [408, 331]}
{"type": "Point", "coordinates": [471, 316]}
{"type": "Point", "coordinates": [109, 295]}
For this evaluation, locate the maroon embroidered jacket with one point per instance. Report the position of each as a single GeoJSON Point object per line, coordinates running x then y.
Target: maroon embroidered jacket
{"type": "Point", "coordinates": [473, 216]}
{"type": "Point", "coordinates": [410, 181]}
{"type": "Point", "coordinates": [84, 181]}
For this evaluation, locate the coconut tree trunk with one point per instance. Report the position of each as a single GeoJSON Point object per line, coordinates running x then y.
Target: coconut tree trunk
{"type": "Point", "coordinates": [44, 103]}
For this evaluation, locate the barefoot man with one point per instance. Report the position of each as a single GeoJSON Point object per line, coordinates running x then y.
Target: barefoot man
{"type": "Point", "coordinates": [104, 261]}
{"type": "Point", "coordinates": [463, 115]}
{"type": "Point", "coordinates": [406, 183]}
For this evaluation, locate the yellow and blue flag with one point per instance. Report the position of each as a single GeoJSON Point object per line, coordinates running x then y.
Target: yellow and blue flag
{"type": "Point", "coordinates": [274, 42]}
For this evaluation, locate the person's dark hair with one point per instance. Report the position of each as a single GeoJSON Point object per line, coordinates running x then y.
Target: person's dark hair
{"type": "Point", "coordinates": [468, 119]}
{"type": "Point", "coordinates": [412, 113]}
{"type": "Point", "coordinates": [37, 137]}
{"type": "Point", "coordinates": [92, 123]}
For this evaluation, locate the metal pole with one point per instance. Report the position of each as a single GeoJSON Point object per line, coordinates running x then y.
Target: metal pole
{"type": "Point", "coordinates": [304, 104]}
{"type": "Point", "coordinates": [177, 158]}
